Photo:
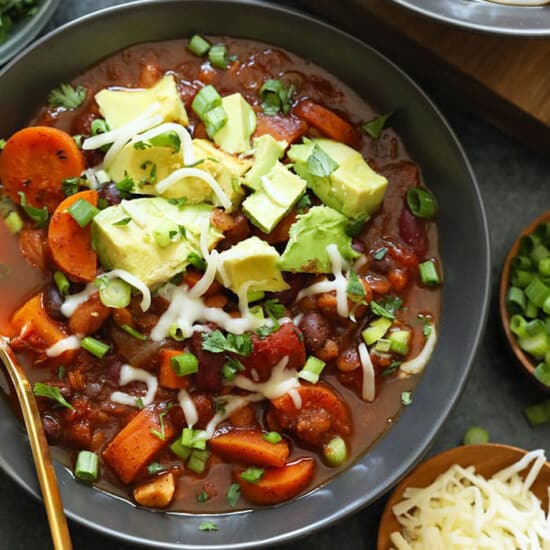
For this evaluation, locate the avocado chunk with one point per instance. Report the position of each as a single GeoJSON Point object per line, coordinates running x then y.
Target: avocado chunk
{"type": "Point", "coordinates": [251, 261]}
{"type": "Point", "coordinates": [118, 106]}
{"type": "Point", "coordinates": [125, 236]}
{"type": "Point", "coordinates": [306, 250]}
{"type": "Point", "coordinates": [267, 151]}
{"type": "Point", "coordinates": [353, 188]}
{"type": "Point", "coordinates": [279, 192]}
{"type": "Point", "coordinates": [138, 164]}
{"type": "Point", "coordinates": [234, 136]}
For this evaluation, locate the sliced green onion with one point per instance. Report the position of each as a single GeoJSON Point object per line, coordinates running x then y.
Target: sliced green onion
{"type": "Point", "coordinates": [542, 373]}
{"type": "Point", "coordinates": [253, 474]}
{"type": "Point", "coordinates": [184, 364]}
{"type": "Point", "coordinates": [87, 466]}
{"type": "Point", "coordinates": [82, 212]}
{"type": "Point", "coordinates": [536, 345]}
{"type": "Point", "coordinates": [272, 437]}
{"type": "Point", "coordinates": [206, 99]}
{"type": "Point", "coordinates": [180, 450]}
{"type": "Point", "coordinates": [255, 295]}
{"type": "Point", "coordinates": [528, 243]}
{"type": "Point", "coordinates": [428, 273]}
{"type": "Point", "coordinates": [95, 347]}
{"type": "Point", "coordinates": [335, 452]}
{"type": "Point", "coordinates": [544, 267]}
{"type": "Point", "coordinates": [198, 45]}
{"type": "Point", "coordinates": [406, 398]}
{"type": "Point", "coordinates": [231, 367]}
{"type": "Point", "coordinates": [516, 299]}
{"type": "Point", "coordinates": [214, 120]}
{"type": "Point", "coordinates": [383, 345]}
{"type": "Point", "coordinates": [531, 310]}
{"type": "Point", "coordinates": [193, 439]}
{"type": "Point", "coordinates": [537, 292]}
{"type": "Point", "coordinates": [62, 283]}
{"type": "Point", "coordinates": [166, 233]}
{"type": "Point", "coordinates": [538, 414]}
{"type": "Point", "coordinates": [539, 253]}
{"type": "Point", "coordinates": [175, 332]}
{"type": "Point", "coordinates": [99, 126]}
{"type": "Point", "coordinates": [376, 330]}
{"type": "Point", "coordinates": [476, 435]}
{"type": "Point", "coordinates": [115, 293]}
{"type": "Point", "coordinates": [522, 278]}
{"type": "Point", "coordinates": [421, 202]}
{"type": "Point", "coordinates": [312, 370]}
{"type": "Point", "coordinates": [521, 262]}
{"type": "Point", "coordinates": [14, 222]}
{"type": "Point", "coordinates": [534, 327]}
{"type": "Point", "coordinates": [217, 56]}
{"type": "Point", "coordinates": [167, 139]}
{"type": "Point", "coordinates": [133, 332]}
{"type": "Point", "coordinates": [518, 326]}
{"type": "Point", "coordinates": [197, 461]}
{"type": "Point", "coordinates": [399, 340]}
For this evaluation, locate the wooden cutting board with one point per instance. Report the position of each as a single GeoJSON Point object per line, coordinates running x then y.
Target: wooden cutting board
{"type": "Point", "coordinates": [506, 79]}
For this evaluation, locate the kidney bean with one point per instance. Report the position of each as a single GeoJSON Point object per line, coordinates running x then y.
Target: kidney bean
{"type": "Point", "coordinates": [296, 281]}
{"type": "Point", "coordinates": [111, 194]}
{"type": "Point", "coordinates": [52, 302]}
{"type": "Point", "coordinates": [316, 329]}
{"type": "Point", "coordinates": [52, 427]}
{"type": "Point", "coordinates": [413, 231]}
{"type": "Point", "coordinates": [112, 369]}
{"type": "Point", "coordinates": [358, 246]}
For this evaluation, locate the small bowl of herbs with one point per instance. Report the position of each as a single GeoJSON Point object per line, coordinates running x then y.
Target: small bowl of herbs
{"type": "Point", "coordinates": [20, 23]}
{"type": "Point", "coordinates": [525, 299]}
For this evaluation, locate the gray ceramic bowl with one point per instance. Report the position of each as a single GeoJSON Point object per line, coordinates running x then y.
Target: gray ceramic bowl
{"type": "Point", "coordinates": [464, 246]}
{"type": "Point", "coordinates": [484, 16]}
{"type": "Point", "coordinates": [26, 30]}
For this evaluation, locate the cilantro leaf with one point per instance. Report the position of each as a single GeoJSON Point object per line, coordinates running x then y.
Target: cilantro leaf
{"type": "Point", "coordinates": [51, 392]}
{"type": "Point", "coordinates": [304, 203]}
{"type": "Point", "coordinates": [208, 526]}
{"type": "Point", "coordinates": [375, 126]}
{"type": "Point", "coordinates": [380, 254]}
{"type": "Point", "coordinates": [70, 186]}
{"type": "Point", "coordinates": [276, 97]}
{"type": "Point", "coordinates": [234, 494]}
{"type": "Point", "coordinates": [155, 468]}
{"type": "Point", "coordinates": [320, 164]}
{"type": "Point", "coordinates": [216, 342]}
{"type": "Point", "coordinates": [274, 309]}
{"type": "Point", "coordinates": [355, 289]}
{"type": "Point", "coordinates": [67, 97]}
{"type": "Point", "coordinates": [196, 261]}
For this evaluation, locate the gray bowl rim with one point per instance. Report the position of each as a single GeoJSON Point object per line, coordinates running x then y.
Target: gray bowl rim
{"type": "Point", "coordinates": [26, 31]}
{"type": "Point", "coordinates": [27, 479]}
{"type": "Point", "coordinates": [488, 17]}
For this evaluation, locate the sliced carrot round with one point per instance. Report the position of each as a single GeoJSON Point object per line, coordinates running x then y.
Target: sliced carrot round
{"type": "Point", "coordinates": [71, 245]}
{"type": "Point", "coordinates": [278, 484]}
{"type": "Point", "coordinates": [35, 161]}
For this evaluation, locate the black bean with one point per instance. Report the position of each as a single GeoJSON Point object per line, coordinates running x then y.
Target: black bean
{"type": "Point", "coordinates": [111, 194]}
{"type": "Point", "coordinates": [52, 302]}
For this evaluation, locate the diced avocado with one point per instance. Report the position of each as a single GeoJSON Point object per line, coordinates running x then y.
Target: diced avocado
{"type": "Point", "coordinates": [132, 246]}
{"type": "Point", "coordinates": [137, 164]}
{"type": "Point", "coordinates": [280, 190]}
{"type": "Point", "coordinates": [251, 260]}
{"type": "Point", "coordinates": [234, 136]}
{"type": "Point", "coordinates": [122, 105]}
{"type": "Point", "coordinates": [306, 250]}
{"type": "Point", "coordinates": [267, 151]}
{"type": "Point", "coordinates": [354, 189]}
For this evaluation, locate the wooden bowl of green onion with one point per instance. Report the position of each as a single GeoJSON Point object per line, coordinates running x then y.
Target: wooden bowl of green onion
{"type": "Point", "coordinates": [525, 299]}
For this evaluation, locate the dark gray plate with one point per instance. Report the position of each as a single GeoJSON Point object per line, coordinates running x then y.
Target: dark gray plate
{"type": "Point", "coordinates": [464, 245]}
{"type": "Point", "coordinates": [481, 15]}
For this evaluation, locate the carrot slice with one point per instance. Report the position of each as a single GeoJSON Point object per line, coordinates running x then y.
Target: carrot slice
{"type": "Point", "coordinates": [278, 484]}
{"type": "Point", "coordinates": [250, 447]}
{"type": "Point", "coordinates": [322, 414]}
{"type": "Point", "coordinates": [70, 244]}
{"type": "Point", "coordinates": [167, 377]}
{"type": "Point", "coordinates": [282, 128]}
{"type": "Point", "coordinates": [33, 324]}
{"type": "Point", "coordinates": [136, 444]}
{"type": "Point", "coordinates": [326, 121]}
{"type": "Point", "coordinates": [36, 160]}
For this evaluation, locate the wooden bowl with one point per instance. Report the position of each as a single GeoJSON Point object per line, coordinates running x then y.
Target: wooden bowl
{"type": "Point", "coordinates": [486, 458]}
{"type": "Point", "coordinates": [527, 361]}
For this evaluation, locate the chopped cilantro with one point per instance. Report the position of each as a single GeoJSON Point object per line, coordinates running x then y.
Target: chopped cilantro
{"type": "Point", "coordinates": [51, 392]}
{"type": "Point", "coordinates": [216, 342]}
{"type": "Point", "coordinates": [320, 164]}
{"type": "Point", "coordinates": [67, 97]}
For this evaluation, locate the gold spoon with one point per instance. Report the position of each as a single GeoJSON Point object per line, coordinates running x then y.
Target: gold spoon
{"type": "Point", "coordinates": [44, 468]}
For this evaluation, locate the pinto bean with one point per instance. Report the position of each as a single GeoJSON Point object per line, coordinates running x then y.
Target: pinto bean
{"type": "Point", "coordinates": [89, 316]}
{"type": "Point", "coordinates": [32, 246]}
{"type": "Point", "coordinates": [316, 329]}
{"type": "Point", "coordinates": [348, 360]}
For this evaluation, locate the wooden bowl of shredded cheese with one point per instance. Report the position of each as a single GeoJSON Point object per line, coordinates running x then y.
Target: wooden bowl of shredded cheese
{"type": "Point", "coordinates": [474, 496]}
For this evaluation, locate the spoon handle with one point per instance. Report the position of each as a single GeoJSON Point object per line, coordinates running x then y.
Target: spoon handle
{"type": "Point", "coordinates": [44, 468]}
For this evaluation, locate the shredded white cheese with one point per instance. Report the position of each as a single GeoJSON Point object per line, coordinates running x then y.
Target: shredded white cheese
{"type": "Point", "coordinates": [282, 381]}
{"type": "Point", "coordinates": [130, 374]}
{"type": "Point", "coordinates": [368, 390]}
{"type": "Point", "coordinates": [188, 154]}
{"type": "Point", "coordinates": [271, 192]}
{"type": "Point", "coordinates": [181, 173]}
{"type": "Point", "coordinates": [417, 365]}
{"type": "Point", "coordinates": [296, 398]}
{"type": "Point", "coordinates": [188, 407]}
{"type": "Point", "coordinates": [66, 344]}
{"type": "Point", "coordinates": [462, 510]}
{"type": "Point", "coordinates": [132, 280]}
{"type": "Point", "coordinates": [185, 310]}
{"type": "Point", "coordinates": [71, 303]}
